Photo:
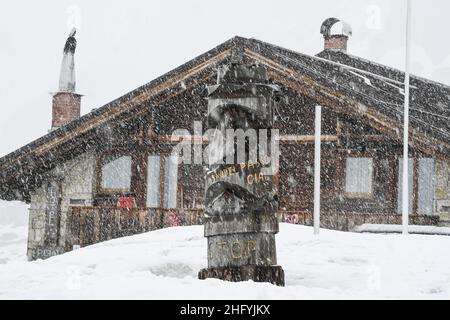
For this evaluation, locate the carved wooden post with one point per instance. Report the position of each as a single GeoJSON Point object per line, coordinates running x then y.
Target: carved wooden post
{"type": "Point", "coordinates": [241, 201]}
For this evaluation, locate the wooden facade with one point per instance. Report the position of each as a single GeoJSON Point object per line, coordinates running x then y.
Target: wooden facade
{"type": "Point", "coordinates": [89, 225]}
{"type": "Point", "coordinates": [361, 119]}
{"type": "Point", "coordinates": [343, 137]}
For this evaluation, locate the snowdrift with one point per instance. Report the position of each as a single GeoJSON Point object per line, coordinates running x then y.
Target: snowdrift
{"type": "Point", "coordinates": [163, 264]}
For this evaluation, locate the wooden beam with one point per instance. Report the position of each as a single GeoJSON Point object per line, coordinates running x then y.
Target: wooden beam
{"type": "Point", "coordinates": [282, 138]}
{"type": "Point", "coordinates": [307, 138]}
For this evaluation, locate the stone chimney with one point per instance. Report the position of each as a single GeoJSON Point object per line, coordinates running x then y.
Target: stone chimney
{"type": "Point", "coordinates": [336, 34]}
{"type": "Point", "coordinates": [66, 108]}
{"type": "Point", "coordinates": [66, 103]}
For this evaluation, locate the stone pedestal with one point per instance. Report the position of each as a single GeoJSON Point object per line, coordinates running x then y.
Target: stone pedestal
{"type": "Point", "coordinates": [241, 202]}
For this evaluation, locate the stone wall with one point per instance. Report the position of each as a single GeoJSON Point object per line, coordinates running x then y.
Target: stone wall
{"type": "Point", "coordinates": [66, 108]}
{"type": "Point", "coordinates": [77, 178]}
{"type": "Point", "coordinates": [36, 226]}
{"type": "Point", "coordinates": [78, 188]}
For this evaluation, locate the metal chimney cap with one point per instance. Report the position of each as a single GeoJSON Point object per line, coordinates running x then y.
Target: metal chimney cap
{"type": "Point", "coordinates": [333, 26]}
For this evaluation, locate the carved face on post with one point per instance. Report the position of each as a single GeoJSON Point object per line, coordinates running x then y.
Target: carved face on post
{"type": "Point", "coordinates": [241, 202]}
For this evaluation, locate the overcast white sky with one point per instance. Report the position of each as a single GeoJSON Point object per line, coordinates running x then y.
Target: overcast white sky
{"type": "Point", "coordinates": [124, 44]}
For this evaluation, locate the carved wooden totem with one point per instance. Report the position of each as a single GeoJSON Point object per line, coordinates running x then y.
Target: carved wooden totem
{"type": "Point", "coordinates": [241, 200]}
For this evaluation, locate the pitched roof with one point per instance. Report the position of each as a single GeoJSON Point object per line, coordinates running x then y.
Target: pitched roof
{"type": "Point", "coordinates": [370, 90]}
{"type": "Point", "coordinates": [430, 100]}
{"type": "Point", "coordinates": [348, 84]}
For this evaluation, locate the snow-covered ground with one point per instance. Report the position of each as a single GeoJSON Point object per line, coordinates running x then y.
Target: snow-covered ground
{"type": "Point", "coordinates": [163, 265]}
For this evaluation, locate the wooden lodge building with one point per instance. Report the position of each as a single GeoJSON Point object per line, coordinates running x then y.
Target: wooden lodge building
{"type": "Point", "coordinates": [109, 173]}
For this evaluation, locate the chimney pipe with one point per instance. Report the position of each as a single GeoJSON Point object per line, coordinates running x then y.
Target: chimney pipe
{"type": "Point", "coordinates": [336, 34]}
{"type": "Point", "coordinates": [66, 103]}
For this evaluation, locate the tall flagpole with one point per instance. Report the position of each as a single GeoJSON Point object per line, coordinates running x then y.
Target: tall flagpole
{"type": "Point", "coordinates": [405, 190]}
{"type": "Point", "coordinates": [317, 134]}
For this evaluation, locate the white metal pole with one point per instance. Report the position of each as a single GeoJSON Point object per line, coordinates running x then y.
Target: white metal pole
{"type": "Point", "coordinates": [405, 193]}
{"type": "Point", "coordinates": [317, 135]}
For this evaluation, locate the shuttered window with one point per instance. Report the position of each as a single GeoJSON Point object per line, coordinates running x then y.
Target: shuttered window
{"type": "Point", "coordinates": [116, 174]}
{"type": "Point", "coordinates": [410, 184]}
{"type": "Point", "coordinates": [153, 185]}
{"type": "Point", "coordinates": [170, 182]}
{"type": "Point", "coordinates": [358, 176]}
{"type": "Point", "coordinates": [426, 185]}
{"type": "Point", "coordinates": [424, 188]}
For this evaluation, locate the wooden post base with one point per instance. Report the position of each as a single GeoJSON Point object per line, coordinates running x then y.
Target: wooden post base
{"type": "Point", "coordinates": [271, 274]}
